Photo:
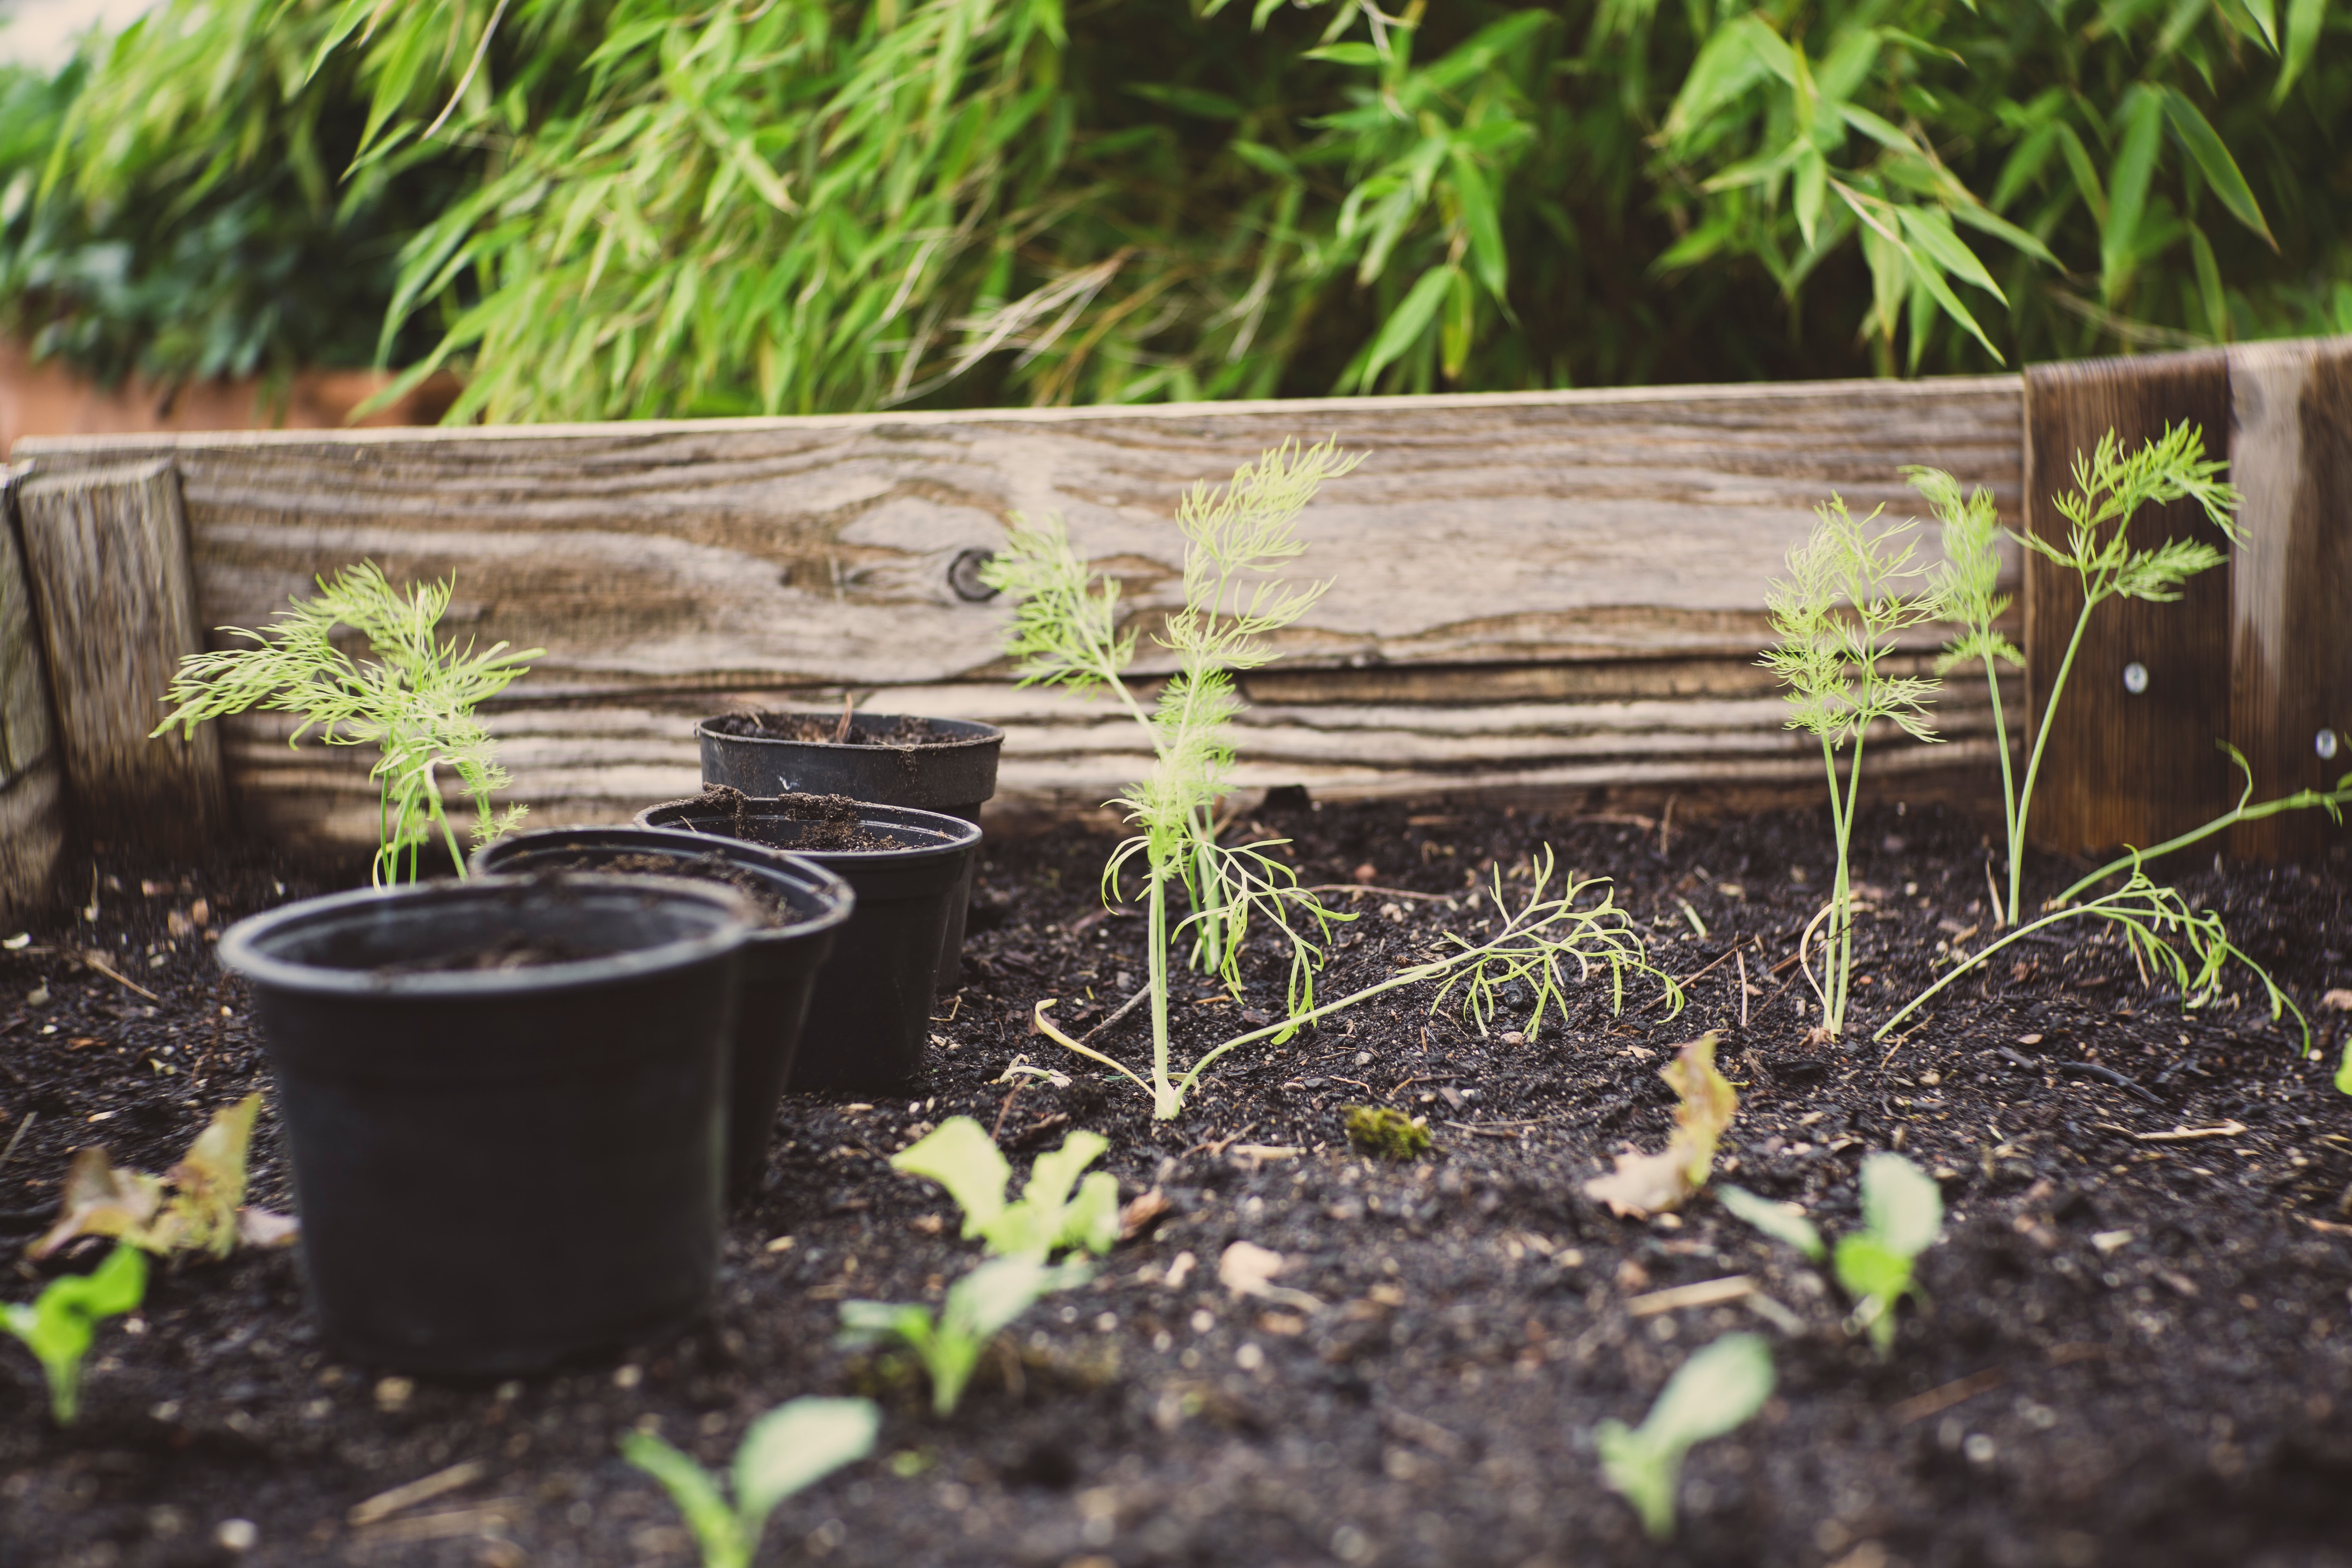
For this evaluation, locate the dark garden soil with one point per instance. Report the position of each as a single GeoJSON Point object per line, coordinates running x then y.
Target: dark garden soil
{"type": "Point", "coordinates": [2135, 1345]}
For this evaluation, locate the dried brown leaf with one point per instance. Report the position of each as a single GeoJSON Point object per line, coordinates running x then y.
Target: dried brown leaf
{"type": "Point", "coordinates": [100, 1200]}
{"type": "Point", "coordinates": [1645, 1184]}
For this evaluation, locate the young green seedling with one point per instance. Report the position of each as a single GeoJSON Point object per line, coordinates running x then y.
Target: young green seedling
{"type": "Point", "coordinates": [1705, 1103]}
{"type": "Point", "coordinates": [2151, 919]}
{"type": "Point", "coordinates": [2111, 486]}
{"type": "Point", "coordinates": [1536, 944]}
{"type": "Point", "coordinates": [962, 1158]}
{"type": "Point", "coordinates": [787, 1450]}
{"type": "Point", "coordinates": [59, 1324]}
{"type": "Point", "coordinates": [1714, 1391]}
{"type": "Point", "coordinates": [415, 700]}
{"type": "Point", "coordinates": [979, 1305]}
{"type": "Point", "coordinates": [1066, 633]}
{"type": "Point", "coordinates": [1839, 614]}
{"type": "Point", "coordinates": [1386, 1134]}
{"type": "Point", "coordinates": [1902, 1215]}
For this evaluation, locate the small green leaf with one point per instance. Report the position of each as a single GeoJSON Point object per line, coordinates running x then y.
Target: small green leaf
{"type": "Point", "coordinates": [794, 1446]}
{"type": "Point", "coordinates": [960, 1156]}
{"type": "Point", "coordinates": [59, 1325]}
{"type": "Point", "coordinates": [1811, 186]}
{"type": "Point", "coordinates": [1901, 1204]}
{"type": "Point", "coordinates": [695, 1491]}
{"type": "Point", "coordinates": [1782, 1221]}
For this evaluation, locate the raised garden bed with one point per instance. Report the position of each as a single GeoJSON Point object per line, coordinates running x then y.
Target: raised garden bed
{"type": "Point", "coordinates": [2135, 1347]}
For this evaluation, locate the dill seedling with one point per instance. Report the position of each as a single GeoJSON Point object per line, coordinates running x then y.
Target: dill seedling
{"type": "Point", "coordinates": [2111, 485]}
{"type": "Point", "coordinates": [1838, 614]}
{"type": "Point", "coordinates": [1237, 538]}
{"type": "Point", "coordinates": [414, 700]}
{"type": "Point", "coordinates": [1066, 632]}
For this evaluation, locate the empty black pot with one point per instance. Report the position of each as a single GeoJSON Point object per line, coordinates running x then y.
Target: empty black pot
{"type": "Point", "coordinates": [497, 1166]}
{"type": "Point", "coordinates": [802, 908]}
{"type": "Point", "coordinates": [947, 765]}
{"type": "Point", "coordinates": [870, 1017]}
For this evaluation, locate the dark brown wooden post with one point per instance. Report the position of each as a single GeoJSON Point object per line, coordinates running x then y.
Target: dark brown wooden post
{"type": "Point", "coordinates": [32, 794]}
{"type": "Point", "coordinates": [2291, 585]}
{"type": "Point", "coordinates": [2131, 757]}
{"type": "Point", "coordinates": [108, 552]}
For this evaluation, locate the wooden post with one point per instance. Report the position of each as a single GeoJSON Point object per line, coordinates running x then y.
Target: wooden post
{"type": "Point", "coordinates": [2131, 756]}
{"type": "Point", "coordinates": [2291, 587]}
{"type": "Point", "coordinates": [32, 800]}
{"type": "Point", "coordinates": [108, 551]}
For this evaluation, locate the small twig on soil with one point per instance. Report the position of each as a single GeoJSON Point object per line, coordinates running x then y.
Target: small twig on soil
{"type": "Point", "coordinates": [385, 1504]}
{"type": "Point", "coordinates": [2178, 1134]}
{"type": "Point", "coordinates": [848, 708]}
{"type": "Point", "coordinates": [19, 1136]}
{"type": "Point", "coordinates": [1129, 1005]}
{"type": "Point", "coordinates": [91, 958]}
{"type": "Point", "coordinates": [1666, 825]}
{"type": "Point", "coordinates": [996, 1133]}
{"type": "Point", "coordinates": [1743, 988]}
{"type": "Point", "coordinates": [2000, 918]}
{"type": "Point", "coordinates": [1694, 974]}
{"type": "Point", "coordinates": [1704, 1293]}
{"type": "Point", "coordinates": [1936, 1400]}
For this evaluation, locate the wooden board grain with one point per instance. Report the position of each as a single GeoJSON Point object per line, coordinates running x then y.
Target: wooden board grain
{"type": "Point", "coordinates": [2123, 766]}
{"type": "Point", "coordinates": [106, 550]}
{"type": "Point", "coordinates": [2291, 585]}
{"type": "Point", "coordinates": [32, 805]}
{"type": "Point", "coordinates": [1527, 565]}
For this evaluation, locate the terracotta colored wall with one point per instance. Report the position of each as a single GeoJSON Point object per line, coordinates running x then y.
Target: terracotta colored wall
{"type": "Point", "coordinates": [51, 399]}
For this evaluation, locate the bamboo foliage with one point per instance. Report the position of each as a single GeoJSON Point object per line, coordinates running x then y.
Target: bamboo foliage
{"type": "Point", "coordinates": [716, 206]}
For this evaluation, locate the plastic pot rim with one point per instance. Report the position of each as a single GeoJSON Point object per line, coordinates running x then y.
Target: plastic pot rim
{"type": "Point", "coordinates": [242, 949]}
{"type": "Point", "coordinates": [987, 735]}
{"type": "Point", "coordinates": [839, 897]}
{"type": "Point", "coordinates": [963, 836]}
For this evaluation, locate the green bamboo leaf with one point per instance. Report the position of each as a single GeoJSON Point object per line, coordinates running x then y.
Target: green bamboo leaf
{"type": "Point", "coordinates": [2304, 21]}
{"type": "Point", "coordinates": [2264, 13]}
{"type": "Point", "coordinates": [2141, 116]}
{"type": "Point", "coordinates": [1729, 64]}
{"type": "Point", "coordinates": [1811, 186]}
{"type": "Point", "coordinates": [2196, 133]}
{"type": "Point", "coordinates": [1407, 322]}
{"type": "Point", "coordinates": [2209, 293]}
{"type": "Point", "coordinates": [1931, 231]}
{"type": "Point", "coordinates": [1483, 224]}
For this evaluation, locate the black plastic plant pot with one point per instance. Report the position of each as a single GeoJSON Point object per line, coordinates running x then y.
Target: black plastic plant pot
{"type": "Point", "coordinates": [870, 1017]}
{"type": "Point", "coordinates": [505, 1099]}
{"type": "Point", "coordinates": [947, 765]}
{"type": "Point", "coordinates": [802, 908]}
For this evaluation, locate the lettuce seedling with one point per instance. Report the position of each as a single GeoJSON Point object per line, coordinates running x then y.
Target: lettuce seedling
{"type": "Point", "coordinates": [962, 1158]}
{"type": "Point", "coordinates": [1716, 1390]}
{"type": "Point", "coordinates": [59, 1326]}
{"type": "Point", "coordinates": [204, 1213]}
{"type": "Point", "coordinates": [1705, 1103]}
{"type": "Point", "coordinates": [415, 700]}
{"type": "Point", "coordinates": [1902, 1215]}
{"type": "Point", "coordinates": [1843, 610]}
{"type": "Point", "coordinates": [787, 1450]}
{"type": "Point", "coordinates": [979, 1305]}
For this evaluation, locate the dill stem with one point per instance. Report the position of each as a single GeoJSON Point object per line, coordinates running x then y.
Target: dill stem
{"type": "Point", "coordinates": [2033, 763]}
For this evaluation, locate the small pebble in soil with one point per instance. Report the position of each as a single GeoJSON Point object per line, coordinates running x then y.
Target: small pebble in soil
{"type": "Point", "coordinates": [238, 1535]}
{"type": "Point", "coordinates": [391, 1393]}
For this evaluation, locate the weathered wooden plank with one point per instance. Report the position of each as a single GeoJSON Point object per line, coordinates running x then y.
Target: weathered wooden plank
{"type": "Point", "coordinates": [2125, 766]}
{"type": "Point", "coordinates": [32, 807]}
{"type": "Point", "coordinates": [1497, 554]}
{"type": "Point", "coordinates": [107, 551]}
{"type": "Point", "coordinates": [2291, 585]}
